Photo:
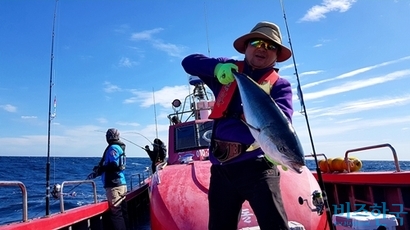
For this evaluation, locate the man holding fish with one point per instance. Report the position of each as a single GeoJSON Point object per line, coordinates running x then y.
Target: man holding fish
{"type": "Point", "coordinates": [252, 131]}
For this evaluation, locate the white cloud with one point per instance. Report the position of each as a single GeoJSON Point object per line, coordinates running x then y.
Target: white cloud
{"type": "Point", "coordinates": [360, 105]}
{"type": "Point", "coordinates": [311, 73]}
{"type": "Point", "coordinates": [110, 88]}
{"type": "Point", "coordinates": [127, 124]}
{"type": "Point", "coordinates": [126, 62]}
{"type": "Point", "coordinates": [9, 108]}
{"type": "Point", "coordinates": [348, 120]}
{"type": "Point", "coordinates": [287, 67]}
{"type": "Point", "coordinates": [145, 35]}
{"type": "Point", "coordinates": [359, 124]}
{"type": "Point", "coordinates": [319, 11]}
{"type": "Point", "coordinates": [353, 85]}
{"type": "Point", "coordinates": [162, 96]}
{"type": "Point", "coordinates": [171, 49]}
{"type": "Point", "coordinates": [28, 117]}
{"type": "Point", "coordinates": [355, 72]}
{"type": "Point", "coordinates": [102, 120]}
{"type": "Point", "coordinates": [122, 28]}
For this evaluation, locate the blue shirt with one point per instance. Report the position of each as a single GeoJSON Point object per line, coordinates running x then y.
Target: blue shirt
{"type": "Point", "coordinates": [113, 176]}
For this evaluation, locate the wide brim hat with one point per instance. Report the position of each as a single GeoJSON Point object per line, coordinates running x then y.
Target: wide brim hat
{"type": "Point", "coordinates": [266, 31]}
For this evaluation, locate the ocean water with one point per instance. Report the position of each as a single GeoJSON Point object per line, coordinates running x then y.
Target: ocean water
{"type": "Point", "coordinates": [32, 172]}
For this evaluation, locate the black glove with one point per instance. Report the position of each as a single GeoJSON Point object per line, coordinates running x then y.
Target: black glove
{"type": "Point", "coordinates": [96, 169]}
{"type": "Point", "coordinates": [91, 176]}
{"type": "Point", "coordinates": [96, 172]}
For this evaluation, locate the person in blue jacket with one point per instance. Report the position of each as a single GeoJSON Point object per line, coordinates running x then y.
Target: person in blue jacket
{"type": "Point", "coordinates": [237, 175]}
{"type": "Point", "coordinates": [111, 168]}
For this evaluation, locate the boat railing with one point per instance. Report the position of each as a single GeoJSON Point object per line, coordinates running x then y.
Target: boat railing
{"type": "Point", "coordinates": [141, 179]}
{"type": "Point", "coordinates": [160, 166]}
{"type": "Point", "coordinates": [396, 161]}
{"type": "Point", "coordinates": [24, 193]}
{"type": "Point", "coordinates": [320, 154]}
{"type": "Point", "coordinates": [76, 182]}
{"type": "Point", "coordinates": [178, 115]}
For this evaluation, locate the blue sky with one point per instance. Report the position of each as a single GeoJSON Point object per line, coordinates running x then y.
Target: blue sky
{"type": "Point", "coordinates": [113, 58]}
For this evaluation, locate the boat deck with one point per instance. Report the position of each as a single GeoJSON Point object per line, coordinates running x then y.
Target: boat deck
{"type": "Point", "coordinates": [379, 193]}
{"type": "Point", "coordinates": [93, 216]}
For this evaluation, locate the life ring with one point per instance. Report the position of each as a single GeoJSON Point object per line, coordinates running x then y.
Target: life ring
{"type": "Point", "coordinates": [338, 164]}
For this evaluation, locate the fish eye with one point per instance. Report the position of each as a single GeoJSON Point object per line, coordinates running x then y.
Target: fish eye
{"type": "Point", "coordinates": [282, 149]}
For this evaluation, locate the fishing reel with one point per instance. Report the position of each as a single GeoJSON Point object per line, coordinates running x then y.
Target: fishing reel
{"type": "Point", "coordinates": [56, 191]}
{"type": "Point", "coordinates": [317, 201]}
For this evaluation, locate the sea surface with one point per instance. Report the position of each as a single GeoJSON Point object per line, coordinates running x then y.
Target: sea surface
{"type": "Point", "coordinates": [32, 172]}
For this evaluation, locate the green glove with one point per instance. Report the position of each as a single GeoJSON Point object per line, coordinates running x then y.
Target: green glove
{"type": "Point", "coordinates": [276, 163]}
{"type": "Point", "coordinates": [223, 71]}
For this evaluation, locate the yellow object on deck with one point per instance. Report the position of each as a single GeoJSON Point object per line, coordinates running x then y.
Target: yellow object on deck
{"type": "Point", "coordinates": [338, 164]}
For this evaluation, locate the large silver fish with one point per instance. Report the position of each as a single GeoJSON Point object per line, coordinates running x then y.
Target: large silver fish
{"type": "Point", "coordinates": [271, 129]}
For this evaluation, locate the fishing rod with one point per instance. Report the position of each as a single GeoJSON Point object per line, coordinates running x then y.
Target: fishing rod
{"type": "Point", "coordinates": [304, 112]}
{"type": "Point", "coordinates": [127, 139]}
{"type": "Point", "coordinates": [57, 189]}
{"type": "Point", "coordinates": [142, 136]}
{"type": "Point", "coordinates": [50, 116]}
{"type": "Point", "coordinates": [56, 192]}
{"type": "Point", "coordinates": [206, 30]}
{"type": "Point", "coordinates": [132, 142]}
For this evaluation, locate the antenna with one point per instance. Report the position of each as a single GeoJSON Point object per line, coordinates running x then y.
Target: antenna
{"type": "Point", "coordinates": [50, 116]}
{"type": "Point", "coordinates": [155, 114]}
{"type": "Point", "coordinates": [302, 103]}
{"type": "Point", "coordinates": [206, 29]}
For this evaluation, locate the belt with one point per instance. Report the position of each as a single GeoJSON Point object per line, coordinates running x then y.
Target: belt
{"type": "Point", "coordinates": [225, 150]}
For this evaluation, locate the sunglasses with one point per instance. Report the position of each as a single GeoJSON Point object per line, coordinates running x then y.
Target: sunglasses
{"type": "Point", "coordinates": [260, 43]}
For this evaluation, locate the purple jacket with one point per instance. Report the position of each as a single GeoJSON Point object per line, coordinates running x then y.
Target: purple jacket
{"type": "Point", "coordinates": [233, 129]}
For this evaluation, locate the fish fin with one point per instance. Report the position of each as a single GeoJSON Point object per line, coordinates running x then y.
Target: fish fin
{"type": "Point", "coordinates": [266, 87]}
{"type": "Point", "coordinates": [253, 146]}
{"type": "Point", "coordinates": [276, 163]}
{"type": "Point", "coordinates": [250, 126]}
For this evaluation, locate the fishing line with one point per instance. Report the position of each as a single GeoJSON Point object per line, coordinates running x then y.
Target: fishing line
{"type": "Point", "coordinates": [69, 193]}
{"type": "Point", "coordinates": [304, 113]}
{"type": "Point", "coordinates": [87, 176]}
{"type": "Point", "coordinates": [129, 140]}
{"type": "Point", "coordinates": [74, 187]}
{"type": "Point", "coordinates": [56, 190]}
